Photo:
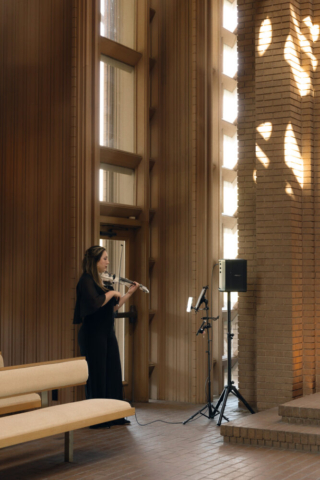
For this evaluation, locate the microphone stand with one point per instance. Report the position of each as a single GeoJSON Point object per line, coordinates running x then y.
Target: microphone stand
{"type": "Point", "coordinates": [212, 410]}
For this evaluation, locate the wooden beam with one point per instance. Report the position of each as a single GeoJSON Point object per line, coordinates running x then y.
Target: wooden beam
{"type": "Point", "coordinates": [119, 210]}
{"type": "Point", "coordinates": [119, 52]}
{"type": "Point", "coordinates": [119, 158]}
{"type": "Point", "coordinates": [126, 222]}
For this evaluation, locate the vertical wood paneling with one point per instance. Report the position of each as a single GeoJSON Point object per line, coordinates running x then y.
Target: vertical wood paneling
{"type": "Point", "coordinates": [35, 239]}
{"type": "Point", "coordinates": [183, 193]}
{"type": "Point", "coordinates": [31, 182]}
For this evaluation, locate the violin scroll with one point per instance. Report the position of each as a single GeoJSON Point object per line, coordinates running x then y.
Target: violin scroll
{"type": "Point", "coordinates": [112, 278]}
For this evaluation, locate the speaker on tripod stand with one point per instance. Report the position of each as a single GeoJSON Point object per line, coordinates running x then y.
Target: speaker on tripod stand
{"type": "Point", "coordinates": [232, 278]}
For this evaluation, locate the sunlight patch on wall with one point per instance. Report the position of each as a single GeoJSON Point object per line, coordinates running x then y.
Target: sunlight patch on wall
{"type": "Point", "coordinates": [262, 156]}
{"type": "Point", "coordinates": [292, 154]}
{"type": "Point", "coordinates": [301, 77]}
{"type": "Point", "coordinates": [254, 175]}
{"type": "Point", "coordinates": [314, 29]}
{"type": "Point", "coordinates": [265, 36]}
{"type": "Point", "coordinates": [289, 190]}
{"type": "Point", "coordinates": [265, 130]}
{"type": "Point", "coordinates": [305, 45]}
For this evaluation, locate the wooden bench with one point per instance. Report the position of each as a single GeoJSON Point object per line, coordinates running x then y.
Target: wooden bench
{"type": "Point", "coordinates": [53, 420]}
{"type": "Point", "coordinates": [19, 403]}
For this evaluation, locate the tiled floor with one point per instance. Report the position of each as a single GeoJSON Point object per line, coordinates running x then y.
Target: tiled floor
{"type": "Point", "coordinates": [159, 451]}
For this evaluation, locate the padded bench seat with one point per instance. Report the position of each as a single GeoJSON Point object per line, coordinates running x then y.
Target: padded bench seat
{"type": "Point", "coordinates": [19, 403]}
{"type": "Point", "coordinates": [27, 426]}
{"type": "Point", "coordinates": [24, 380]}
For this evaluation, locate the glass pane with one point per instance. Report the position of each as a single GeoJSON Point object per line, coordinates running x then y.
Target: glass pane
{"type": "Point", "coordinates": [230, 15]}
{"type": "Point", "coordinates": [230, 60]}
{"type": "Point", "coordinates": [230, 151]}
{"type": "Point", "coordinates": [230, 242]}
{"type": "Point", "coordinates": [117, 185]}
{"type": "Point", "coordinates": [113, 247]}
{"type": "Point", "coordinates": [117, 105]}
{"type": "Point", "coordinates": [118, 21]}
{"type": "Point", "coordinates": [230, 105]}
{"type": "Point", "coordinates": [233, 299]}
{"type": "Point", "coordinates": [230, 198]}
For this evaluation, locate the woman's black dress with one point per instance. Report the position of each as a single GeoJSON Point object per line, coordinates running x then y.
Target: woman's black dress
{"type": "Point", "coordinates": [97, 340]}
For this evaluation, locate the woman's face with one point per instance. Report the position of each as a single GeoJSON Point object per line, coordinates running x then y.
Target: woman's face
{"type": "Point", "coordinates": [103, 263]}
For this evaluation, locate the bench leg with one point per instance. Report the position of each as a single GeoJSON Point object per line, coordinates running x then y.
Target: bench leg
{"type": "Point", "coordinates": [68, 447]}
{"type": "Point", "coordinates": [44, 399]}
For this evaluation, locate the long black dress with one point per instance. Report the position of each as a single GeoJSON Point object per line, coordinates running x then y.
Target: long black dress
{"type": "Point", "coordinates": [97, 340]}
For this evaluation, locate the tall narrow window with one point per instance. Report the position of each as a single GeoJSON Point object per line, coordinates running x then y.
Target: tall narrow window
{"type": "Point", "coordinates": [229, 162]}
{"type": "Point", "coordinates": [117, 105]}
{"type": "Point", "coordinates": [118, 21]}
{"type": "Point", "coordinates": [117, 185]}
{"type": "Point", "coordinates": [230, 151]}
{"type": "Point", "coordinates": [230, 105]}
{"type": "Point", "coordinates": [230, 15]}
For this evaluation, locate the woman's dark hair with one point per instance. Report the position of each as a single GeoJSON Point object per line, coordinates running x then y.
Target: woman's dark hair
{"type": "Point", "coordinates": [89, 264]}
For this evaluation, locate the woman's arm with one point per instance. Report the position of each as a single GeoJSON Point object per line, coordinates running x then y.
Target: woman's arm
{"type": "Point", "coordinates": [109, 295]}
{"type": "Point", "coordinates": [125, 297]}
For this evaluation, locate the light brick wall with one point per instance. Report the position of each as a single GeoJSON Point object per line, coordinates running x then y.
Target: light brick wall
{"type": "Point", "coordinates": [316, 174]}
{"type": "Point", "coordinates": [247, 197]}
{"type": "Point", "coordinates": [277, 213]}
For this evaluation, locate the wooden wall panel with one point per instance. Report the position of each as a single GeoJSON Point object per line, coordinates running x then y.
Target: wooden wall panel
{"type": "Point", "coordinates": [35, 233]}
{"type": "Point", "coordinates": [183, 197]}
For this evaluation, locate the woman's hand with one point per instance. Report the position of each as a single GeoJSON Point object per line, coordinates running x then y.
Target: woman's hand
{"type": "Point", "coordinates": [133, 288]}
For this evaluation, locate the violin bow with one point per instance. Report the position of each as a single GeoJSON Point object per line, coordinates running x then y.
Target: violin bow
{"type": "Point", "coordinates": [120, 267]}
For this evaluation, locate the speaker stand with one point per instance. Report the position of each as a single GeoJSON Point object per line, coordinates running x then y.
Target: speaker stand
{"type": "Point", "coordinates": [212, 410]}
{"type": "Point", "coordinates": [229, 388]}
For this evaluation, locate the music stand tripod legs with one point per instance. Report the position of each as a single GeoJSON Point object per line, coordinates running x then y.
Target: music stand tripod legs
{"type": "Point", "coordinates": [229, 388]}
{"type": "Point", "coordinates": [212, 410]}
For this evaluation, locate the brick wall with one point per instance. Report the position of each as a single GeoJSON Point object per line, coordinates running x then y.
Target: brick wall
{"type": "Point", "coordinates": [277, 200]}
{"type": "Point", "coordinates": [247, 196]}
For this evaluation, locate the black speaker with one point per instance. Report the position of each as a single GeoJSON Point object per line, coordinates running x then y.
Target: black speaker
{"type": "Point", "coordinates": [233, 275]}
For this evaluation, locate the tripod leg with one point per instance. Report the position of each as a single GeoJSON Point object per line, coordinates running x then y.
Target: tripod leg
{"type": "Point", "coordinates": [220, 400]}
{"type": "Point", "coordinates": [225, 396]}
{"type": "Point", "coordinates": [236, 392]}
{"type": "Point", "coordinates": [199, 412]}
{"type": "Point", "coordinates": [215, 408]}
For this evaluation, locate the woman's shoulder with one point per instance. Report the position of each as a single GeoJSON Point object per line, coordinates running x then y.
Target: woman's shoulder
{"type": "Point", "coordinates": [85, 279]}
{"type": "Point", "coordinates": [85, 276]}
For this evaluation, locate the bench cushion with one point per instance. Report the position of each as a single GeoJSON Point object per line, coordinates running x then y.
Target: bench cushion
{"type": "Point", "coordinates": [45, 422]}
{"type": "Point", "coordinates": [37, 378]}
{"type": "Point", "coordinates": [19, 403]}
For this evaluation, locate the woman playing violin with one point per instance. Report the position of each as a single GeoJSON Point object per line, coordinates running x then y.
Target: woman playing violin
{"type": "Point", "coordinates": [95, 307]}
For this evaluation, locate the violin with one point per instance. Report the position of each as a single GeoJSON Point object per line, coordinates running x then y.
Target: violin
{"type": "Point", "coordinates": [112, 278]}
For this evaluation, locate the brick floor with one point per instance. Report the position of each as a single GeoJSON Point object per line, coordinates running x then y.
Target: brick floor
{"type": "Point", "coordinates": [158, 452]}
